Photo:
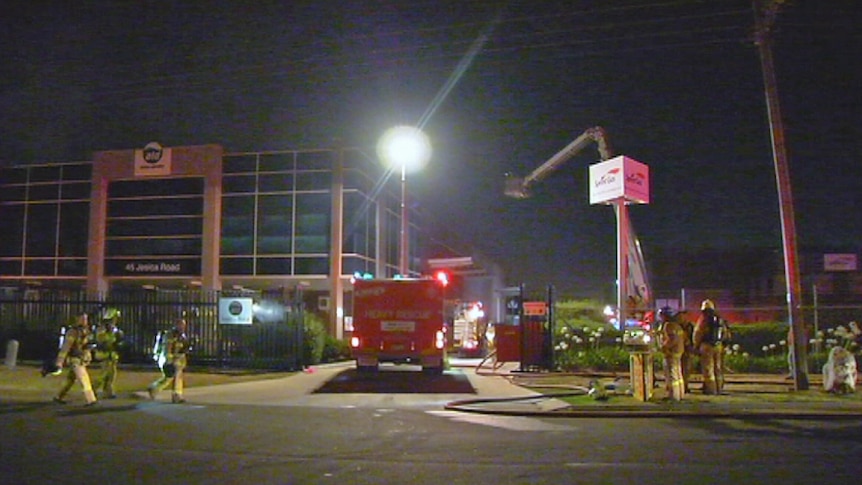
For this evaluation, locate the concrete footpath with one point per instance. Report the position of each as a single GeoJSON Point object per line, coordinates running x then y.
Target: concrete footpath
{"type": "Point", "coordinates": [746, 395]}
{"type": "Point", "coordinates": [504, 391]}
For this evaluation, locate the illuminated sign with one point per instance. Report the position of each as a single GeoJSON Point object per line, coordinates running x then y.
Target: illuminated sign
{"type": "Point", "coordinates": [619, 177]}
{"type": "Point", "coordinates": [235, 311]}
{"type": "Point", "coordinates": [152, 160]}
{"type": "Point", "coordinates": [839, 262]}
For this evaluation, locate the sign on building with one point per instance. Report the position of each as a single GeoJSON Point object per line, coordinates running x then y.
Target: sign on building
{"type": "Point", "coordinates": [153, 160]}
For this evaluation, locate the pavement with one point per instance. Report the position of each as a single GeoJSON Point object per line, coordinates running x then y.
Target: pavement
{"type": "Point", "coordinates": [504, 390]}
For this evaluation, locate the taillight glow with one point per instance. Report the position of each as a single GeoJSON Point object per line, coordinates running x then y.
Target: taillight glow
{"type": "Point", "coordinates": [440, 339]}
{"type": "Point", "coordinates": [354, 342]}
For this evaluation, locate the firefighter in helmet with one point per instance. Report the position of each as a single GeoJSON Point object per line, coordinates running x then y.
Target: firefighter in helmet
{"type": "Point", "coordinates": [108, 340]}
{"type": "Point", "coordinates": [672, 335]}
{"type": "Point", "coordinates": [75, 354]}
{"type": "Point", "coordinates": [707, 342]}
{"type": "Point", "coordinates": [172, 362]}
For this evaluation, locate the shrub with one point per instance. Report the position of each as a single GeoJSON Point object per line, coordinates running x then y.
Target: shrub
{"type": "Point", "coordinates": [314, 339]}
{"type": "Point", "coordinates": [335, 350]}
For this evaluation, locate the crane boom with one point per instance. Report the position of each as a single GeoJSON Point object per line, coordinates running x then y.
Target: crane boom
{"type": "Point", "coordinates": [519, 188]}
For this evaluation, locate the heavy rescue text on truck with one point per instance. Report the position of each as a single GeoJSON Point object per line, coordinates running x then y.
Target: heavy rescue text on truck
{"type": "Point", "coordinates": [398, 320]}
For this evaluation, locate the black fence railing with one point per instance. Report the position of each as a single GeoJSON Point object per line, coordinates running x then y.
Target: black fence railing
{"type": "Point", "coordinates": [35, 317]}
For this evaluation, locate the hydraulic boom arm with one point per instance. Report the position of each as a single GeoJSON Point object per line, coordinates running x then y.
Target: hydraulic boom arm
{"type": "Point", "coordinates": [519, 188]}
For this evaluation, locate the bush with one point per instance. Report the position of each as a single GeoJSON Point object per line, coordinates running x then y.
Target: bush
{"type": "Point", "coordinates": [314, 339]}
{"type": "Point", "coordinates": [335, 350]}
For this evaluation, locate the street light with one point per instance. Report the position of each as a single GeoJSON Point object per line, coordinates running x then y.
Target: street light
{"type": "Point", "coordinates": [408, 149]}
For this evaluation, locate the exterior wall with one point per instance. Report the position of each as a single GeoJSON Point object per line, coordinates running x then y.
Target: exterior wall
{"type": "Point", "coordinates": [207, 220]}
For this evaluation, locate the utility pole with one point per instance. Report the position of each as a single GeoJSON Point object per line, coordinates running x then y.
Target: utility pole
{"type": "Point", "coordinates": [765, 12]}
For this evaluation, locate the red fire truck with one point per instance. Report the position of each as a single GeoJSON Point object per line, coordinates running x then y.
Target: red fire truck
{"type": "Point", "coordinates": [398, 320]}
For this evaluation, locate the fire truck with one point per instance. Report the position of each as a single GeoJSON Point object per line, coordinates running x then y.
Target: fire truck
{"type": "Point", "coordinates": [400, 321]}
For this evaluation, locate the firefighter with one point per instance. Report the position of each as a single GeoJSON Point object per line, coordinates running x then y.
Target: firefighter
{"type": "Point", "coordinates": [172, 360]}
{"type": "Point", "coordinates": [673, 337]}
{"type": "Point", "coordinates": [75, 354]}
{"type": "Point", "coordinates": [707, 342]}
{"type": "Point", "coordinates": [108, 340]}
{"type": "Point", "coordinates": [689, 352]}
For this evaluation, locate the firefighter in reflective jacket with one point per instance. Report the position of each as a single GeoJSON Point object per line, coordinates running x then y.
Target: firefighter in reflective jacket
{"type": "Point", "coordinates": [108, 340]}
{"type": "Point", "coordinates": [708, 342]}
{"type": "Point", "coordinates": [673, 339]}
{"type": "Point", "coordinates": [172, 361]}
{"type": "Point", "coordinates": [75, 354]}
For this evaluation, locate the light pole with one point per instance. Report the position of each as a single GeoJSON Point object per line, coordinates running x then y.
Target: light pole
{"type": "Point", "coordinates": [405, 148]}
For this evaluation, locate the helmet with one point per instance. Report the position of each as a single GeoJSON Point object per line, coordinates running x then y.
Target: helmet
{"type": "Point", "coordinates": [707, 305]}
{"type": "Point", "coordinates": [110, 313]}
{"type": "Point", "coordinates": [665, 313]}
{"type": "Point", "coordinates": [81, 320]}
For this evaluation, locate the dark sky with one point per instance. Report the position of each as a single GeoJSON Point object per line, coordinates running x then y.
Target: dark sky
{"type": "Point", "coordinates": [677, 85]}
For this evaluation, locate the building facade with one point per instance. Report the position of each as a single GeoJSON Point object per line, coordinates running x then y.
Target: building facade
{"type": "Point", "coordinates": [197, 217]}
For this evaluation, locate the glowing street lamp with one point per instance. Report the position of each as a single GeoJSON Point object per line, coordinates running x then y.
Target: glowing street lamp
{"type": "Point", "coordinates": [407, 149]}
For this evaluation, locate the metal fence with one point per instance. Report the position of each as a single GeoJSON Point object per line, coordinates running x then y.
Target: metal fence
{"type": "Point", "coordinates": [35, 317]}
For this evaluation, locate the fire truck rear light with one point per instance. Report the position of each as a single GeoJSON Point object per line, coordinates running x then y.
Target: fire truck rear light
{"type": "Point", "coordinates": [440, 340]}
{"type": "Point", "coordinates": [354, 342]}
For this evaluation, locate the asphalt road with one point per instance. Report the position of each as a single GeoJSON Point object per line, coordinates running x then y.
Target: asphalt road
{"type": "Point", "coordinates": [277, 431]}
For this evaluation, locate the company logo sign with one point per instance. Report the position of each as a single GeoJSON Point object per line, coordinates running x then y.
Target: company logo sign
{"type": "Point", "coordinates": [152, 160]}
{"type": "Point", "coordinates": [839, 262]}
{"type": "Point", "coordinates": [619, 178]}
{"type": "Point", "coordinates": [235, 311]}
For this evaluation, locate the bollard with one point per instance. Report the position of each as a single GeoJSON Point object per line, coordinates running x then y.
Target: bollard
{"type": "Point", "coordinates": [11, 353]}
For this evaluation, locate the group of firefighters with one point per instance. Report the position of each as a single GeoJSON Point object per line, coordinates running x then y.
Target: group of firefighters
{"type": "Point", "coordinates": [681, 340]}
{"type": "Point", "coordinates": [82, 345]}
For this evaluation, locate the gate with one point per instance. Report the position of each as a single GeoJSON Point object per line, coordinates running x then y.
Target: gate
{"type": "Point", "coordinates": [34, 317]}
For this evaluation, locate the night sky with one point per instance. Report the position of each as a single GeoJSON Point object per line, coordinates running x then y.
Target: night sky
{"type": "Point", "coordinates": [676, 84]}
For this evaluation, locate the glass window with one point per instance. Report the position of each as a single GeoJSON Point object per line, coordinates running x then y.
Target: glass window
{"type": "Point", "coordinates": [41, 230]}
{"type": "Point", "coordinates": [13, 176]}
{"type": "Point", "coordinates": [72, 267]}
{"type": "Point", "coordinates": [311, 244]}
{"type": "Point", "coordinates": [12, 230]}
{"type": "Point", "coordinates": [75, 191]}
{"type": "Point", "coordinates": [237, 206]}
{"type": "Point", "coordinates": [273, 245]}
{"type": "Point", "coordinates": [13, 193]}
{"type": "Point", "coordinates": [10, 267]}
{"type": "Point", "coordinates": [276, 162]}
{"type": "Point", "coordinates": [276, 182]}
{"type": "Point", "coordinates": [165, 206]}
{"type": "Point", "coordinates": [156, 187]}
{"type": "Point", "coordinates": [47, 173]}
{"type": "Point", "coordinates": [274, 266]}
{"type": "Point", "coordinates": [176, 226]}
{"type": "Point", "coordinates": [239, 163]}
{"type": "Point", "coordinates": [313, 180]}
{"type": "Point", "coordinates": [354, 179]}
{"type": "Point", "coordinates": [39, 267]}
{"type": "Point", "coordinates": [312, 160]}
{"type": "Point", "coordinates": [44, 192]}
{"type": "Point", "coordinates": [74, 229]}
{"type": "Point", "coordinates": [358, 224]}
{"type": "Point", "coordinates": [352, 264]}
{"type": "Point", "coordinates": [237, 245]}
{"type": "Point", "coordinates": [239, 184]}
{"type": "Point", "coordinates": [234, 266]}
{"type": "Point", "coordinates": [83, 171]}
{"type": "Point", "coordinates": [310, 266]}
{"type": "Point", "coordinates": [153, 247]}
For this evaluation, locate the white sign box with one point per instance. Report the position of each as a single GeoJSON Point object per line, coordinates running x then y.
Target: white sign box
{"type": "Point", "coordinates": [839, 262]}
{"type": "Point", "coordinates": [235, 311]}
{"type": "Point", "coordinates": [619, 177]}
